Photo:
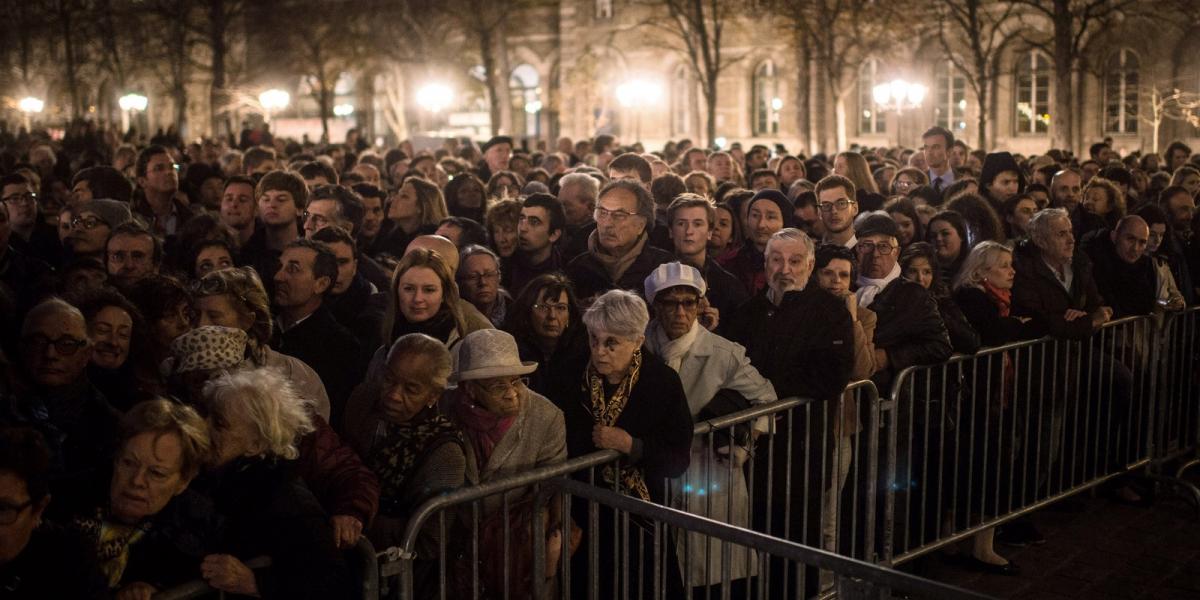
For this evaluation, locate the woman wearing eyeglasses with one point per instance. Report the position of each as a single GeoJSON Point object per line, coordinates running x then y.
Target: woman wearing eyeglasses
{"type": "Point", "coordinates": [626, 399]}
{"type": "Point", "coordinates": [236, 298]}
{"type": "Point", "coordinates": [545, 320]}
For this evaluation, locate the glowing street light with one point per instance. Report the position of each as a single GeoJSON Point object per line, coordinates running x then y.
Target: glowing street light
{"type": "Point", "coordinates": [636, 94]}
{"type": "Point", "coordinates": [343, 110]}
{"type": "Point", "coordinates": [434, 97]}
{"type": "Point", "coordinates": [273, 101]}
{"type": "Point", "coordinates": [133, 102]}
{"type": "Point", "coordinates": [899, 95]}
{"type": "Point", "coordinates": [29, 104]}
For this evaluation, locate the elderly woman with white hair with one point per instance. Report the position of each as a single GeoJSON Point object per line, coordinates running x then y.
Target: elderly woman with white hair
{"type": "Point", "coordinates": [718, 379]}
{"type": "Point", "coordinates": [256, 419]}
{"type": "Point", "coordinates": [624, 398]}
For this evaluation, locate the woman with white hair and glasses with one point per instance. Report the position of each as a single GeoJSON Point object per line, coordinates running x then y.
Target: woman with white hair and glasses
{"type": "Point", "coordinates": [626, 399]}
{"type": "Point", "coordinates": [256, 419]}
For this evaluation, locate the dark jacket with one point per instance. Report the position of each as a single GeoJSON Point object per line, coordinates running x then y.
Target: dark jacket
{"type": "Point", "coordinates": [330, 349]}
{"type": "Point", "coordinates": [269, 512]}
{"type": "Point", "coordinates": [1038, 294]}
{"type": "Point", "coordinates": [574, 240]}
{"type": "Point", "coordinates": [909, 329]}
{"type": "Point", "coordinates": [360, 309]}
{"type": "Point", "coordinates": [805, 346]}
{"type": "Point", "coordinates": [1130, 289]}
{"type": "Point", "coordinates": [519, 271]}
{"type": "Point", "coordinates": [725, 292]}
{"type": "Point", "coordinates": [749, 267]}
{"type": "Point", "coordinates": [963, 337]}
{"type": "Point", "coordinates": [56, 563]}
{"type": "Point", "coordinates": [336, 475]}
{"type": "Point", "coordinates": [984, 315]}
{"type": "Point", "coordinates": [657, 416]}
{"type": "Point", "coordinates": [591, 279]}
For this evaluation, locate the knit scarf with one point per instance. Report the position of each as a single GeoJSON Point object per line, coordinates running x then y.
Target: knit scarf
{"type": "Point", "coordinates": [672, 351]}
{"type": "Point", "coordinates": [606, 411]}
{"type": "Point", "coordinates": [483, 427]}
{"type": "Point", "coordinates": [615, 266]}
{"type": "Point", "coordinates": [1002, 298]}
{"type": "Point", "coordinates": [1003, 302]}
{"type": "Point", "coordinates": [868, 287]}
{"type": "Point", "coordinates": [400, 448]}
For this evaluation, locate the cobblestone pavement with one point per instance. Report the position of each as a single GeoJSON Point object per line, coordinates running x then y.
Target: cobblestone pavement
{"type": "Point", "coordinates": [1106, 551]}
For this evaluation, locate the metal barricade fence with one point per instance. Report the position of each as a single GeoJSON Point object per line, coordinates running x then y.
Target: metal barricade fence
{"type": "Point", "coordinates": [643, 535]}
{"type": "Point", "coordinates": [1177, 424]}
{"type": "Point", "coordinates": [985, 438]}
{"type": "Point", "coordinates": [809, 477]}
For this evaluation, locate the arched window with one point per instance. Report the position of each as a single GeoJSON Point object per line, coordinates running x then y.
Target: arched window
{"type": "Point", "coordinates": [526, 98]}
{"type": "Point", "coordinates": [1121, 92]}
{"type": "Point", "coordinates": [1033, 93]}
{"type": "Point", "coordinates": [950, 104]}
{"type": "Point", "coordinates": [604, 9]}
{"type": "Point", "coordinates": [766, 99]}
{"type": "Point", "coordinates": [870, 119]}
{"type": "Point", "coordinates": [681, 101]}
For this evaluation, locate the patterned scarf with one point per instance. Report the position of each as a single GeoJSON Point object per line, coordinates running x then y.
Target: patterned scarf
{"type": "Point", "coordinates": [606, 411]}
{"type": "Point", "coordinates": [112, 541]}
{"type": "Point", "coordinates": [400, 447]}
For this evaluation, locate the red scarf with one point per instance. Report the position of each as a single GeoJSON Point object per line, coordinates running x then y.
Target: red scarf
{"type": "Point", "coordinates": [484, 428]}
{"type": "Point", "coordinates": [1002, 298]}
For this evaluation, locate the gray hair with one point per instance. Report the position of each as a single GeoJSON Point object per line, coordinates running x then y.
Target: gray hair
{"type": "Point", "coordinates": [471, 250]}
{"type": "Point", "coordinates": [589, 183]}
{"type": "Point", "coordinates": [618, 312]}
{"type": "Point", "coordinates": [278, 414]}
{"type": "Point", "coordinates": [419, 344]}
{"type": "Point", "coordinates": [791, 234]}
{"type": "Point", "coordinates": [48, 307]}
{"type": "Point", "coordinates": [1039, 225]}
{"type": "Point", "coordinates": [982, 257]}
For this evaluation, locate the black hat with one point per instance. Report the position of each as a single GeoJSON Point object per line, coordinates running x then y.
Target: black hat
{"type": "Point", "coordinates": [780, 200]}
{"type": "Point", "coordinates": [497, 139]}
{"type": "Point", "coordinates": [996, 163]}
{"type": "Point", "coordinates": [875, 225]}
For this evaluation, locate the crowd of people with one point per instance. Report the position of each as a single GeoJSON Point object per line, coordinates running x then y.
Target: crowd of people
{"type": "Point", "coordinates": [213, 352]}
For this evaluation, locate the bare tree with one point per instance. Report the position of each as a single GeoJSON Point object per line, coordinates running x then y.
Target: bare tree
{"type": "Point", "coordinates": [1074, 25]}
{"type": "Point", "coordinates": [841, 36]}
{"type": "Point", "coordinates": [484, 23]}
{"type": "Point", "coordinates": [972, 34]}
{"type": "Point", "coordinates": [696, 29]}
{"type": "Point", "coordinates": [1167, 103]}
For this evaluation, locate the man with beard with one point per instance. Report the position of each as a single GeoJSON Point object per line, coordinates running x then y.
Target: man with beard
{"type": "Point", "coordinates": [767, 212]}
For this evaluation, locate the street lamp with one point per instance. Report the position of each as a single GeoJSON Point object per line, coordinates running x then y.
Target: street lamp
{"type": "Point", "coordinates": [434, 97]}
{"type": "Point", "coordinates": [343, 110]}
{"type": "Point", "coordinates": [637, 94]}
{"type": "Point", "coordinates": [898, 96]}
{"type": "Point", "coordinates": [131, 103]}
{"type": "Point", "coordinates": [273, 101]}
{"type": "Point", "coordinates": [30, 105]}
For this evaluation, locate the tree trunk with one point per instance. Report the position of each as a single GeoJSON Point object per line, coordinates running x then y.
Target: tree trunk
{"type": "Point", "coordinates": [839, 115]}
{"type": "Point", "coordinates": [1060, 118]}
{"type": "Point", "coordinates": [323, 95]}
{"type": "Point", "coordinates": [489, 78]}
{"type": "Point", "coordinates": [64, 19]}
{"type": "Point", "coordinates": [710, 100]}
{"type": "Point", "coordinates": [217, 96]}
{"type": "Point", "coordinates": [982, 123]}
{"type": "Point", "coordinates": [179, 99]}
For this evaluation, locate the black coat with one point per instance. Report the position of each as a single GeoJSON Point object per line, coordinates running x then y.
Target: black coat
{"type": "Point", "coordinates": [984, 315]}
{"type": "Point", "coordinates": [909, 328]}
{"type": "Point", "coordinates": [725, 293]}
{"type": "Point", "coordinates": [1037, 293]}
{"type": "Point", "coordinates": [269, 512]}
{"type": "Point", "coordinates": [1130, 289]}
{"type": "Point", "coordinates": [656, 416]}
{"type": "Point", "coordinates": [360, 309]}
{"type": "Point", "coordinates": [591, 279]}
{"type": "Point", "coordinates": [805, 346]}
{"type": "Point", "coordinates": [330, 349]}
{"type": "Point", "coordinates": [56, 563]}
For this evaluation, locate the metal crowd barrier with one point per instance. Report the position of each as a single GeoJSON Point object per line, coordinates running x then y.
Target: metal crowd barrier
{"type": "Point", "coordinates": [810, 477]}
{"type": "Point", "coordinates": [645, 533]}
{"type": "Point", "coordinates": [985, 438]}
{"type": "Point", "coordinates": [1177, 426]}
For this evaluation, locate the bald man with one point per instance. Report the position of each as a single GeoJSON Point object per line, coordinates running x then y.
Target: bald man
{"type": "Point", "coordinates": [1124, 274]}
{"type": "Point", "coordinates": [440, 244]}
{"type": "Point", "coordinates": [79, 424]}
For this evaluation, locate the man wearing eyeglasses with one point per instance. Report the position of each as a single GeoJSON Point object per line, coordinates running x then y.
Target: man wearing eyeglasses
{"type": "Point", "coordinates": [618, 256]}
{"type": "Point", "coordinates": [79, 424]}
{"type": "Point", "coordinates": [159, 202]}
{"type": "Point", "coordinates": [909, 329]}
{"type": "Point", "coordinates": [837, 205]}
{"type": "Point", "coordinates": [30, 235]}
{"type": "Point", "coordinates": [91, 226]}
{"type": "Point", "coordinates": [479, 280]}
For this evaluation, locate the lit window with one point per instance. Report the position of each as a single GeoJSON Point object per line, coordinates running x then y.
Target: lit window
{"type": "Point", "coordinates": [604, 9]}
{"type": "Point", "coordinates": [1121, 92]}
{"type": "Point", "coordinates": [870, 119]}
{"type": "Point", "coordinates": [950, 105]}
{"type": "Point", "coordinates": [1033, 93]}
{"type": "Point", "coordinates": [767, 102]}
